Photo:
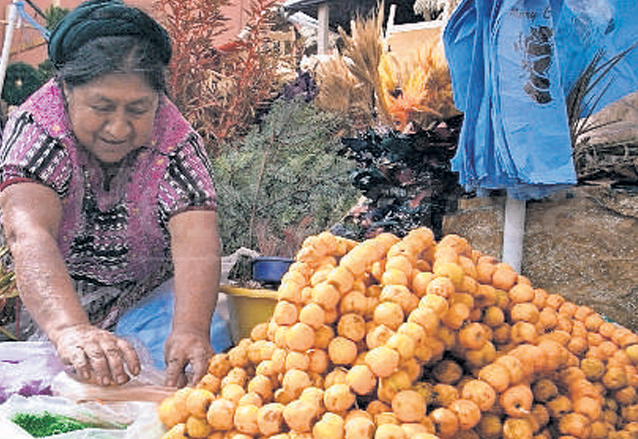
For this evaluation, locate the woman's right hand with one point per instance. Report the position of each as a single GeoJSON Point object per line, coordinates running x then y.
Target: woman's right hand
{"type": "Point", "coordinates": [98, 356]}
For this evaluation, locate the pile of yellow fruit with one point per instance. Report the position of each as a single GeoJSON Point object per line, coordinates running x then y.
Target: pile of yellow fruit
{"type": "Point", "coordinates": [415, 338]}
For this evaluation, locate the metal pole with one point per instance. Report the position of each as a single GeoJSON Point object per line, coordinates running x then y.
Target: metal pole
{"type": "Point", "coordinates": [513, 232]}
{"type": "Point", "coordinates": [12, 14]}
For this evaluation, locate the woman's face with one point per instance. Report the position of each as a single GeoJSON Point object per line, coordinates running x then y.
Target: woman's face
{"type": "Point", "coordinates": [113, 115]}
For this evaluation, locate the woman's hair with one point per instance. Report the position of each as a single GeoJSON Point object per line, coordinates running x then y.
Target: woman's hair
{"type": "Point", "coordinates": [107, 36]}
{"type": "Point", "coordinates": [114, 54]}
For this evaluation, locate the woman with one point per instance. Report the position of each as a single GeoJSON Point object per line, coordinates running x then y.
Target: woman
{"type": "Point", "coordinates": [106, 193]}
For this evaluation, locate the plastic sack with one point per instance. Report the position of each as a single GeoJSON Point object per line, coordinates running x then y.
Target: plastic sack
{"type": "Point", "coordinates": [506, 79]}
{"type": "Point", "coordinates": [513, 64]}
{"type": "Point", "coordinates": [150, 322]}
{"type": "Point", "coordinates": [27, 368]}
{"type": "Point", "coordinates": [126, 420]}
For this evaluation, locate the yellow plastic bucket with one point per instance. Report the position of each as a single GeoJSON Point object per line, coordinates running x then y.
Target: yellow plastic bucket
{"type": "Point", "coordinates": [247, 308]}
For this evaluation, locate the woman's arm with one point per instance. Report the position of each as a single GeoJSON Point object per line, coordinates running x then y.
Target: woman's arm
{"type": "Point", "coordinates": [31, 217]}
{"type": "Point", "coordinates": [196, 256]}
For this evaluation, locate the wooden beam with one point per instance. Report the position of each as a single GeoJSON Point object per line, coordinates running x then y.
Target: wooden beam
{"type": "Point", "coordinates": [323, 17]}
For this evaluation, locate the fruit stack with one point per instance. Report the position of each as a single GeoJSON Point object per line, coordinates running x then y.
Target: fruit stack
{"type": "Point", "coordinates": [415, 338]}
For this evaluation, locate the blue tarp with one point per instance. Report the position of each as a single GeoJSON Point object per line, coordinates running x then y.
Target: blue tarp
{"type": "Point", "coordinates": [512, 64]}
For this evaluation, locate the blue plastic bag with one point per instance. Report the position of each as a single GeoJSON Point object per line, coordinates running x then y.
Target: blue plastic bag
{"type": "Point", "coordinates": [515, 133]}
{"type": "Point", "coordinates": [512, 65]}
{"type": "Point", "coordinates": [589, 26]}
{"type": "Point", "coordinates": [150, 322]}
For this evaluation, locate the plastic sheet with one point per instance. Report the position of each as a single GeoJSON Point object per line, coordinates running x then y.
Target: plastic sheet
{"type": "Point", "coordinates": [27, 368]}
{"type": "Point", "coordinates": [506, 79]}
{"type": "Point", "coordinates": [126, 420]}
{"type": "Point", "coordinates": [34, 381]}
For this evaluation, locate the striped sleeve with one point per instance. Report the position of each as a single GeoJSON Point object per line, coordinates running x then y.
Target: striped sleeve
{"type": "Point", "coordinates": [188, 182]}
{"type": "Point", "coordinates": [28, 153]}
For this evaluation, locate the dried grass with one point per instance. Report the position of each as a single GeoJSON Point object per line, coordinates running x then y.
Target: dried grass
{"type": "Point", "coordinates": [374, 86]}
{"type": "Point", "coordinates": [350, 82]}
{"type": "Point", "coordinates": [417, 89]}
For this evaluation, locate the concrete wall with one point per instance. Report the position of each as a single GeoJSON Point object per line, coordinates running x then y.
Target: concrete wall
{"type": "Point", "coordinates": [29, 46]}
{"type": "Point", "coordinates": [580, 243]}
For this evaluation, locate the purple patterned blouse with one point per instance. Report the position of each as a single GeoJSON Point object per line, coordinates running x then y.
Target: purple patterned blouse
{"type": "Point", "coordinates": [113, 231]}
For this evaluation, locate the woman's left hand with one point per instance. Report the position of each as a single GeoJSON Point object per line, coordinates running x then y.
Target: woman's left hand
{"type": "Point", "coordinates": [184, 349]}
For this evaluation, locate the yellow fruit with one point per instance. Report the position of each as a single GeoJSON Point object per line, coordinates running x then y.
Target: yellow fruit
{"type": "Point", "coordinates": [171, 412]}
{"type": "Point", "coordinates": [452, 271]}
{"type": "Point", "coordinates": [342, 351]}
{"type": "Point", "coordinates": [632, 353]}
{"type": "Point", "coordinates": [409, 406]}
{"type": "Point", "coordinates": [389, 314]}
{"type": "Point", "coordinates": [270, 419]}
{"type": "Point", "coordinates": [299, 415]}
{"type": "Point", "coordinates": [445, 422]}
{"type": "Point", "coordinates": [361, 379]}
{"type": "Point", "coordinates": [300, 337]}
{"type": "Point", "coordinates": [441, 286]}
{"type": "Point", "coordinates": [177, 431]}
{"type": "Point", "coordinates": [576, 425]}
{"type": "Point", "coordinates": [294, 381]}
{"type": "Point", "coordinates": [197, 427]}
{"type": "Point", "coordinates": [330, 426]}
{"type": "Point", "coordinates": [352, 326]}
{"type": "Point", "coordinates": [517, 400]}
{"type": "Point", "coordinates": [480, 393]}
{"type": "Point", "coordinates": [359, 428]}
{"type": "Point", "coordinates": [467, 412]}
{"type": "Point", "coordinates": [338, 398]}
{"type": "Point", "coordinates": [517, 428]}
{"type": "Point", "coordinates": [220, 414]}
{"type": "Point", "coordinates": [382, 361]}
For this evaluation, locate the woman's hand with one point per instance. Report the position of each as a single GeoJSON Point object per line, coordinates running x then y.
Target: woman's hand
{"type": "Point", "coordinates": [97, 356]}
{"type": "Point", "coordinates": [31, 218]}
{"type": "Point", "coordinates": [196, 256]}
{"type": "Point", "coordinates": [184, 349]}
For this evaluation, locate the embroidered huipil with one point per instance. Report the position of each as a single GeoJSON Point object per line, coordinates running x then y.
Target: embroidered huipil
{"type": "Point", "coordinates": [113, 234]}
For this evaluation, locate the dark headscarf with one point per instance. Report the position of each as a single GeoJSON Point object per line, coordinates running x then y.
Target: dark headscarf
{"type": "Point", "coordinates": [103, 18]}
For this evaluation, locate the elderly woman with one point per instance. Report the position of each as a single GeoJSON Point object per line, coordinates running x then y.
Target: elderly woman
{"type": "Point", "coordinates": [106, 193]}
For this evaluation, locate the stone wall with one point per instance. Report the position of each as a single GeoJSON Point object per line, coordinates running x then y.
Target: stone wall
{"type": "Point", "coordinates": [581, 243]}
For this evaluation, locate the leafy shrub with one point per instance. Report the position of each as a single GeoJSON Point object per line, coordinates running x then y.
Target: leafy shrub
{"type": "Point", "coordinates": [20, 81]}
{"type": "Point", "coordinates": [283, 181]}
{"type": "Point", "coordinates": [406, 180]}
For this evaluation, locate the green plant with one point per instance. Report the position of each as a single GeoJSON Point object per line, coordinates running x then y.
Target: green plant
{"type": "Point", "coordinates": [581, 101]}
{"type": "Point", "coordinates": [53, 14]}
{"type": "Point", "coordinates": [20, 81]}
{"type": "Point", "coordinates": [283, 181]}
{"type": "Point", "coordinates": [602, 160]}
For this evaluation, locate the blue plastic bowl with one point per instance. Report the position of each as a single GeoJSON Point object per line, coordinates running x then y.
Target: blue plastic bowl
{"type": "Point", "coordinates": [270, 269]}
